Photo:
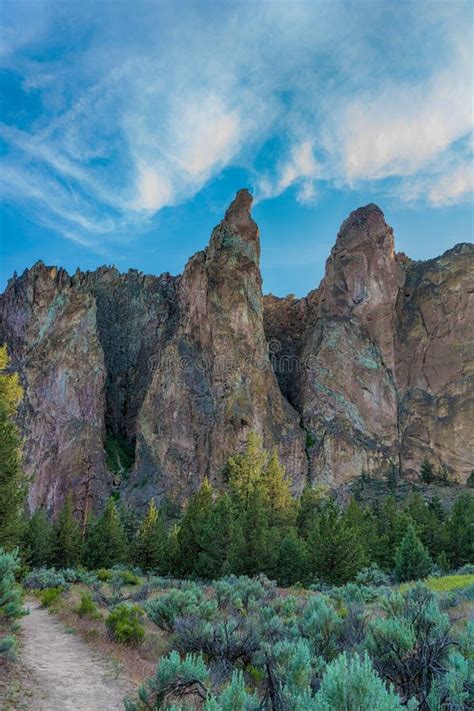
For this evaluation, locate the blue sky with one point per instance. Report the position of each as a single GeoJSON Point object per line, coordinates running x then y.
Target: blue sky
{"type": "Point", "coordinates": [127, 127]}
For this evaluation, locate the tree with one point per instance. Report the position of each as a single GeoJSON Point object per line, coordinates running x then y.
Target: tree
{"type": "Point", "coordinates": [212, 559]}
{"type": "Point", "coordinates": [244, 471]}
{"type": "Point", "coordinates": [308, 505]}
{"type": "Point", "coordinates": [67, 545]}
{"type": "Point", "coordinates": [460, 531]}
{"type": "Point", "coordinates": [292, 564]}
{"type": "Point", "coordinates": [278, 493]}
{"type": "Point", "coordinates": [412, 560]}
{"type": "Point", "coordinates": [107, 542]}
{"type": "Point", "coordinates": [426, 472]}
{"type": "Point", "coordinates": [335, 554]}
{"type": "Point", "coordinates": [391, 527]}
{"type": "Point", "coordinates": [149, 544]}
{"type": "Point", "coordinates": [38, 540]}
{"type": "Point", "coordinates": [12, 479]}
{"type": "Point", "coordinates": [192, 531]}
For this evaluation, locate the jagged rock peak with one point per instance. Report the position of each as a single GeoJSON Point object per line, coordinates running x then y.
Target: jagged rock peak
{"type": "Point", "coordinates": [366, 224]}
{"type": "Point", "coordinates": [238, 223]}
{"type": "Point", "coordinates": [238, 212]}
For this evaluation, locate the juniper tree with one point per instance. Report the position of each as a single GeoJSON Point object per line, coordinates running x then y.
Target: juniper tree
{"type": "Point", "coordinates": [193, 527]}
{"type": "Point", "coordinates": [107, 543]}
{"type": "Point", "coordinates": [149, 544]}
{"type": "Point", "coordinates": [412, 560]}
{"type": "Point", "coordinates": [38, 540]}
{"type": "Point", "coordinates": [67, 538]}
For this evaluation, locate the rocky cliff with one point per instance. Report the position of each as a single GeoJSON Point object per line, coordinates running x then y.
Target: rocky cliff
{"type": "Point", "coordinates": [370, 373]}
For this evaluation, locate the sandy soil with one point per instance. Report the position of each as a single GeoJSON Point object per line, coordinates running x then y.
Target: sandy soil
{"type": "Point", "coordinates": [67, 674]}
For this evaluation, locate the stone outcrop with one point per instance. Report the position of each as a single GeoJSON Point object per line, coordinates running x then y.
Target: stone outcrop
{"type": "Point", "coordinates": [369, 373]}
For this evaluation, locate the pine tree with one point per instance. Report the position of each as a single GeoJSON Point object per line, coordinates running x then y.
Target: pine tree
{"type": "Point", "coordinates": [107, 543]}
{"type": "Point", "coordinates": [12, 479]}
{"type": "Point", "coordinates": [212, 559]}
{"type": "Point", "coordinates": [307, 507]}
{"type": "Point", "coordinates": [460, 531]}
{"type": "Point", "coordinates": [67, 544]}
{"type": "Point", "coordinates": [150, 541]}
{"type": "Point", "coordinates": [38, 540]}
{"type": "Point", "coordinates": [391, 527]}
{"type": "Point", "coordinates": [427, 472]}
{"type": "Point", "coordinates": [250, 550]}
{"type": "Point", "coordinates": [412, 560]}
{"type": "Point", "coordinates": [192, 531]}
{"type": "Point", "coordinates": [292, 560]}
{"type": "Point", "coordinates": [244, 471]}
{"type": "Point", "coordinates": [281, 509]}
{"type": "Point", "coordinates": [335, 554]}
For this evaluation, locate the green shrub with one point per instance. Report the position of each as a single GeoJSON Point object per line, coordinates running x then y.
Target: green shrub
{"type": "Point", "coordinates": [351, 683]}
{"type": "Point", "coordinates": [124, 624]}
{"type": "Point", "coordinates": [10, 592]}
{"type": "Point", "coordinates": [49, 596]}
{"type": "Point", "coordinates": [103, 575]}
{"type": "Point", "coordinates": [164, 610]}
{"type": "Point", "coordinates": [9, 647]}
{"type": "Point", "coordinates": [42, 578]}
{"type": "Point", "coordinates": [87, 607]}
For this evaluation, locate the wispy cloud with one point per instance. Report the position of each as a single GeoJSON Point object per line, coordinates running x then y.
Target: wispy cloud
{"type": "Point", "coordinates": [119, 114]}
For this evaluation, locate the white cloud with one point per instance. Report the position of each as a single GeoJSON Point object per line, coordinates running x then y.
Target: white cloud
{"type": "Point", "coordinates": [141, 109]}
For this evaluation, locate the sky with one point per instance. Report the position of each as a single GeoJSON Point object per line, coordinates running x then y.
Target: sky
{"type": "Point", "coordinates": [126, 127]}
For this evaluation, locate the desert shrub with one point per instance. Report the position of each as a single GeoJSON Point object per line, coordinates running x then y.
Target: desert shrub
{"type": "Point", "coordinates": [10, 592]}
{"type": "Point", "coordinates": [467, 569]}
{"type": "Point", "coordinates": [87, 607]}
{"type": "Point", "coordinates": [226, 642]}
{"type": "Point", "coordinates": [9, 647]}
{"type": "Point", "coordinates": [70, 575]}
{"type": "Point", "coordinates": [451, 690]}
{"type": "Point", "coordinates": [289, 669]}
{"type": "Point", "coordinates": [124, 624]}
{"type": "Point", "coordinates": [42, 578]}
{"type": "Point", "coordinates": [241, 592]}
{"type": "Point", "coordinates": [351, 683]}
{"type": "Point", "coordinates": [372, 575]}
{"type": "Point", "coordinates": [353, 592]}
{"type": "Point", "coordinates": [410, 646]}
{"type": "Point", "coordinates": [320, 624]}
{"type": "Point", "coordinates": [103, 574]}
{"type": "Point", "coordinates": [234, 697]}
{"type": "Point", "coordinates": [49, 596]}
{"type": "Point", "coordinates": [174, 678]}
{"type": "Point", "coordinates": [164, 610]}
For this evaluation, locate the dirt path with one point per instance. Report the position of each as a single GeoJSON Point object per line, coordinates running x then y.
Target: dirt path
{"type": "Point", "coordinates": [68, 676]}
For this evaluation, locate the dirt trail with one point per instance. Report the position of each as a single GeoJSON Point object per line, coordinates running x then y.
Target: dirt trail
{"type": "Point", "coordinates": [68, 675]}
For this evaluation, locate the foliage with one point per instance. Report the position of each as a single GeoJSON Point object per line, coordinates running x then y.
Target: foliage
{"type": "Point", "coordinates": [124, 624]}
{"type": "Point", "coordinates": [412, 560]}
{"type": "Point", "coordinates": [87, 607]}
{"type": "Point", "coordinates": [351, 683]}
{"type": "Point", "coordinates": [12, 479]}
{"type": "Point", "coordinates": [106, 541]}
{"type": "Point", "coordinates": [149, 544]}
{"type": "Point", "coordinates": [42, 578]}
{"type": "Point", "coordinates": [67, 537]}
{"type": "Point", "coordinates": [38, 540]}
{"type": "Point", "coordinates": [49, 596]}
{"type": "Point", "coordinates": [10, 592]}
{"type": "Point", "coordinates": [164, 610]}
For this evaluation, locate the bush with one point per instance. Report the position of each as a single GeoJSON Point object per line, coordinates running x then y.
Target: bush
{"type": "Point", "coordinates": [372, 576]}
{"type": "Point", "coordinates": [9, 647]}
{"type": "Point", "coordinates": [173, 676]}
{"type": "Point", "coordinates": [103, 575]}
{"type": "Point", "coordinates": [164, 610]}
{"type": "Point", "coordinates": [87, 607]}
{"type": "Point", "coordinates": [241, 592]}
{"type": "Point", "coordinates": [10, 592]}
{"type": "Point", "coordinates": [351, 683]}
{"type": "Point", "coordinates": [49, 596]}
{"type": "Point", "coordinates": [124, 624]}
{"type": "Point", "coordinates": [42, 578]}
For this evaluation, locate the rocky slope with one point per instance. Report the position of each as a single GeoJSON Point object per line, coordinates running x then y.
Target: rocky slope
{"type": "Point", "coordinates": [370, 373]}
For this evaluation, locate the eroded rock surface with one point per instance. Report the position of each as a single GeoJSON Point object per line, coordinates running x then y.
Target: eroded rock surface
{"type": "Point", "coordinates": [370, 373]}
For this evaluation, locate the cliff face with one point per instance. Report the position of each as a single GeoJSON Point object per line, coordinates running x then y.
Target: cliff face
{"type": "Point", "coordinates": [371, 372]}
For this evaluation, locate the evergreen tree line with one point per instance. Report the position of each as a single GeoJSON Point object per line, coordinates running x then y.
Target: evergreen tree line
{"type": "Point", "coordinates": [256, 526]}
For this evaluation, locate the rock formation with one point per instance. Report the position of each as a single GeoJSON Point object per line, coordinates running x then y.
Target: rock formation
{"type": "Point", "coordinates": [370, 373]}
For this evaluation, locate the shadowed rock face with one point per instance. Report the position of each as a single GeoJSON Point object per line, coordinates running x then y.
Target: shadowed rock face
{"type": "Point", "coordinates": [372, 371]}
